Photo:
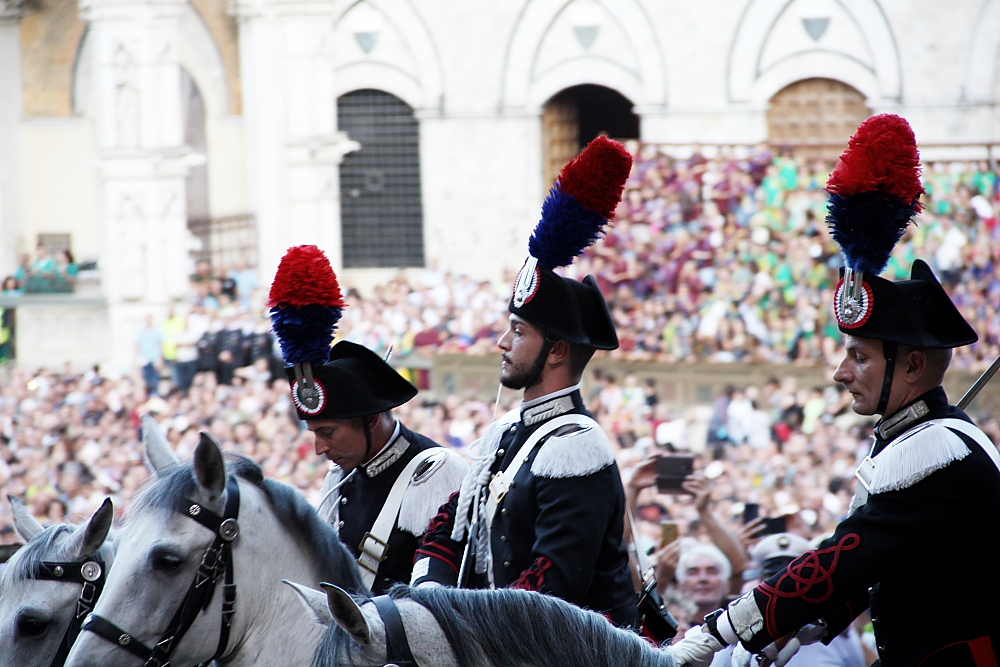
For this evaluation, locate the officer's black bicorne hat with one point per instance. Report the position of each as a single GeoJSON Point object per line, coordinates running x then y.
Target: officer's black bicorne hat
{"type": "Point", "coordinates": [355, 382]}
{"type": "Point", "coordinates": [915, 312]}
{"type": "Point", "coordinates": [579, 206]}
{"type": "Point", "coordinates": [346, 381]}
{"type": "Point", "coordinates": [573, 311]}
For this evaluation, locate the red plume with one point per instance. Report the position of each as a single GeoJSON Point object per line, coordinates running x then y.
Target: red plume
{"type": "Point", "coordinates": [881, 157]}
{"type": "Point", "coordinates": [597, 176]}
{"type": "Point", "coordinates": [305, 277]}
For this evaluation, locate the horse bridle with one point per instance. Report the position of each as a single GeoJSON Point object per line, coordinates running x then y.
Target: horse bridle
{"type": "Point", "coordinates": [218, 560]}
{"type": "Point", "coordinates": [91, 573]}
{"type": "Point", "coordinates": [397, 649]}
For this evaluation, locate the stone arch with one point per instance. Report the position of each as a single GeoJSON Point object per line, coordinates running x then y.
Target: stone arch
{"type": "Point", "coordinates": [385, 45]}
{"type": "Point", "coordinates": [982, 80]}
{"type": "Point", "coordinates": [542, 58]}
{"type": "Point", "coordinates": [863, 54]}
{"type": "Point", "coordinates": [198, 54]}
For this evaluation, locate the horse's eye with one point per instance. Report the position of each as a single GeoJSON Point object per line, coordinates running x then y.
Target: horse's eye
{"type": "Point", "coordinates": [166, 562]}
{"type": "Point", "coordinates": [30, 626]}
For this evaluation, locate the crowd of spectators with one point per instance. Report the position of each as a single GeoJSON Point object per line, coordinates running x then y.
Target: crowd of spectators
{"type": "Point", "coordinates": [719, 259]}
{"type": "Point", "coordinates": [715, 258]}
{"type": "Point", "coordinates": [729, 258]}
{"type": "Point", "coordinates": [47, 272]}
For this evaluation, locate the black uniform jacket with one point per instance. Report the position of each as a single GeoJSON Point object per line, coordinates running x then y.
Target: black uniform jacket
{"type": "Point", "coordinates": [557, 534]}
{"type": "Point", "coordinates": [924, 557]}
{"type": "Point", "coordinates": [362, 497]}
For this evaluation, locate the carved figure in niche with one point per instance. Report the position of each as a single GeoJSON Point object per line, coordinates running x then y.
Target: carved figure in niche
{"type": "Point", "coordinates": [131, 250]}
{"type": "Point", "coordinates": [127, 104]}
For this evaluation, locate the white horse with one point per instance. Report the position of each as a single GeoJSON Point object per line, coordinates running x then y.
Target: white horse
{"type": "Point", "coordinates": [447, 627]}
{"type": "Point", "coordinates": [163, 547]}
{"type": "Point", "coordinates": [50, 583]}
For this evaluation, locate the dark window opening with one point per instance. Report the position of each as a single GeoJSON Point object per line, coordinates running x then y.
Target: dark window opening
{"type": "Point", "coordinates": [381, 212]}
{"type": "Point", "coordinates": [574, 117]}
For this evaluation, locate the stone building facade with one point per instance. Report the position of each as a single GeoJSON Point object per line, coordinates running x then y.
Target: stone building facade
{"type": "Point", "coordinates": [139, 131]}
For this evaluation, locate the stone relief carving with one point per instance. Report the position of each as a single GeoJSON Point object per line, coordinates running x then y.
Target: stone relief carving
{"type": "Point", "coordinates": [130, 242]}
{"type": "Point", "coordinates": [127, 103]}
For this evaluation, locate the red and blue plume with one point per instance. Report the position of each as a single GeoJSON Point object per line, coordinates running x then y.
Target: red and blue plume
{"type": "Point", "coordinates": [874, 192]}
{"type": "Point", "coordinates": [306, 305]}
{"type": "Point", "coordinates": [581, 203]}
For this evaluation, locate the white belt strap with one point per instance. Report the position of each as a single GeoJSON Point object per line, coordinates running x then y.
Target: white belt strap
{"type": "Point", "coordinates": [375, 545]}
{"type": "Point", "coordinates": [975, 433]}
{"type": "Point", "coordinates": [502, 481]}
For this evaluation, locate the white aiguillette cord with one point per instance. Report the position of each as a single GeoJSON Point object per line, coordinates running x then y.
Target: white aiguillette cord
{"type": "Point", "coordinates": [335, 488]}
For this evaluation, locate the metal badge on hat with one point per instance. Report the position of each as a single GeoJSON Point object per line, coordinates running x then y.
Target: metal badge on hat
{"type": "Point", "coordinates": [528, 280]}
{"type": "Point", "coordinates": [854, 300]}
{"type": "Point", "coordinates": [308, 393]}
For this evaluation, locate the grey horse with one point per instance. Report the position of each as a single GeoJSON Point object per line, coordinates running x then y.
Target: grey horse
{"type": "Point", "coordinates": [160, 549]}
{"type": "Point", "coordinates": [447, 627]}
{"type": "Point", "coordinates": [35, 612]}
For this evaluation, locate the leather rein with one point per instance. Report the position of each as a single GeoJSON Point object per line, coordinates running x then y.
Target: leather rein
{"type": "Point", "coordinates": [91, 573]}
{"type": "Point", "coordinates": [217, 561]}
{"type": "Point", "coordinates": [397, 649]}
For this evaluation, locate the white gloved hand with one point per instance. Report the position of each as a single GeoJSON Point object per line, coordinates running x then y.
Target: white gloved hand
{"type": "Point", "coordinates": [697, 649]}
{"type": "Point", "coordinates": [772, 655]}
{"type": "Point", "coordinates": [741, 657]}
{"type": "Point", "coordinates": [807, 634]}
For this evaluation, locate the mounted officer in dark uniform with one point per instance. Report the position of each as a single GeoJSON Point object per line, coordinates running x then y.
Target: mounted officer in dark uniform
{"type": "Point", "coordinates": [921, 543]}
{"type": "Point", "coordinates": [386, 482]}
{"type": "Point", "coordinates": [543, 507]}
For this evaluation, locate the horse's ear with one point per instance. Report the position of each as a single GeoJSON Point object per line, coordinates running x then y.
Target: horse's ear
{"type": "Point", "coordinates": [314, 601]}
{"type": "Point", "coordinates": [89, 538]}
{"type": "Point", "coordinates": [26, 525]}
{"type": "Point", "coordinates": [209, 466]}
{"type": "Point", "coordinates": [159, 454]}
{"type": "Point", "coordinates": [347, 614]}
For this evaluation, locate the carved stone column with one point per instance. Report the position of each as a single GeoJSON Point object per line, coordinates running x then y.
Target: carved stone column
{"type": "Point", "coordinates": [291, 119]}
{"type": "Point", "coordinates": [141, 158]}
{"type": "Point", "coordinates": [11, 111]}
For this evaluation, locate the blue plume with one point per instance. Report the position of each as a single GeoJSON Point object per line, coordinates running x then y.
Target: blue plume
{"type": "Point", "coordinates": [867, 226]}
{"type": "Point", "coordinates": [567, 227]}
{"type": "Point", "coordinates": [305, 332]}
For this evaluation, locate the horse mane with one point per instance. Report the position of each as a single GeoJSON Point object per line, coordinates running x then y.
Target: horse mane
{"type": "Point", "coordinates": [519, 628]}
{"type": "Point", "coordinates": [27, 562]}
{"type": "Point", "coordinates": [290, 506]}
{"type": "Point", "coordinates": [511, 628]}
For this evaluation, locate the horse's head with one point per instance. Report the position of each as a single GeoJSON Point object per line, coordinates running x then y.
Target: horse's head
{"type": "Point", "coordinates": [42, 584]}
{"type": "Point", "coordinates": [356, 633]}
{"type": "Point", "coordinates": [160, 550]}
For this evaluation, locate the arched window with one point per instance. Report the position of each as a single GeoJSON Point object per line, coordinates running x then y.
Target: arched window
{"type": "Point", "coordinates": [815, 117]}
{"type": "Point", "coordinates": [381, 214]}
{"type": "Point", "coordinates": [575, 116]}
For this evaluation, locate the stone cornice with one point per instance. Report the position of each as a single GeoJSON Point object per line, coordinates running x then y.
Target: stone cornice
{"type": "Point", "coordinates": [130, 10]}
{"type": "Point", "coordinates": [146, 164]}
{"type": "Point", "coordinates": [244, 9]}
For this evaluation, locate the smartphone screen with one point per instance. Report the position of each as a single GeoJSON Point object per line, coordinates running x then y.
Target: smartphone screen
{"type": "Point", "coordinates": [750, 512]}
{"type": "Point", "coordinates": [775, 525]}
{"type": "Point", "coordinates": [668, 532]}
{"type": "Point", "coordinates": [671, 471]}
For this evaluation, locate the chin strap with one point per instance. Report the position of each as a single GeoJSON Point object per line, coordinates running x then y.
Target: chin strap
{"type": "Point", "coordinates": [889, 351]}
{"type": "Point", "coordinates": [368, 438]}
